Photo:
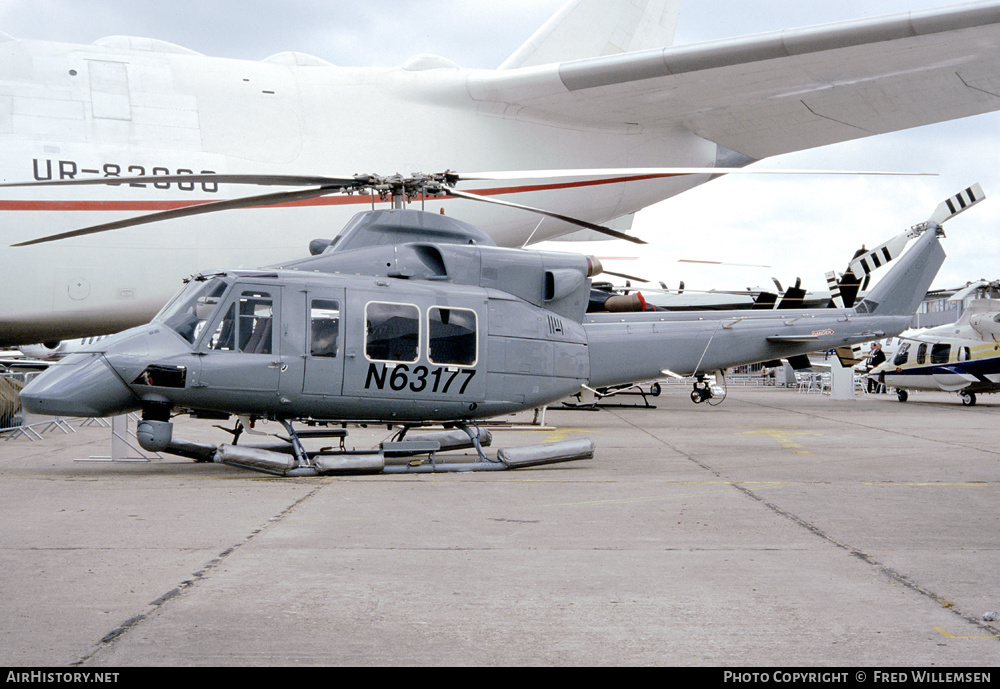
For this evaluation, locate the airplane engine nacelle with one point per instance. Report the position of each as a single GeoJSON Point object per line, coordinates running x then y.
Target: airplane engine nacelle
{"type": "Point", "coordinates": [154, 436]}
{"type": "Point", "coordinates": [986, 323]}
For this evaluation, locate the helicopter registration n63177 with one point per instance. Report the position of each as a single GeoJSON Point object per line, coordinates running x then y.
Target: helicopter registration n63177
{"type": "Point", "coordinates": [400, 379]}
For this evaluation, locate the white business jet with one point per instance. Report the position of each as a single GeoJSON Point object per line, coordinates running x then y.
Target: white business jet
{"type": "Point", "coordinates": [599, 88]}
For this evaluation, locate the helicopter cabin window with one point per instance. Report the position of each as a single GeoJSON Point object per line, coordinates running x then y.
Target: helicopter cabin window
{"type": "Point", "coordinates": [392, 331]}
{"type": "Point", "coordinates": [964, 354]}
{"type": "Point", "coordinates": [940, 353]}
{"type": "Point", "coordinates": [324, 324]}
{"type": "Point", "coordinates": [188, 313]}
{"type": "Point", "coordinates": [255, 324]}
{"type": "Point", "coordinates": [902, 355]}
{"type": "Point", "coordinates": [451, 336]}
{"type": "Point", "coordinates": [224, 338]}
{"type": "Point", "coordinates": [247, 325]}
{"type": "Point", "coordinates": [922, 353]}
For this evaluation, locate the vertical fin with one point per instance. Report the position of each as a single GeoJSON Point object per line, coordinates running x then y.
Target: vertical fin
{"type": "Point", "coordinates": [905, 285]}
{"type": "Point", "coordinates": [591, 28]}
{"type": "Point", "coordinates": [765, 300]}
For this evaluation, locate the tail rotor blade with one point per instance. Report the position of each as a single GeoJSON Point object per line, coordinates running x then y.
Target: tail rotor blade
{"type": "Point", "coordinates": [958, 203]}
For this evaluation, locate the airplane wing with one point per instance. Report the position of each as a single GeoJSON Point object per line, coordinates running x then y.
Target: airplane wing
{"type": "Point", "coordinates": [777, 92]}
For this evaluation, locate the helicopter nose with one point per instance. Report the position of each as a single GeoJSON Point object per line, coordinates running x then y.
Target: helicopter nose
{"type": "Point", "coordinates": [82, 385]}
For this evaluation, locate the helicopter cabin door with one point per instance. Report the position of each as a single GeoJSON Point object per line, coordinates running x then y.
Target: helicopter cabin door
{"type": "Point", "coordinates": [324, 358]}
{"type": "Point", "coordinates": [418, 347]}
{"type": "Point", "coordinates": [240, 353]}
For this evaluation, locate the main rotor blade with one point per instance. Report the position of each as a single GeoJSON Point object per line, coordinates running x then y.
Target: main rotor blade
{"type": "Point", "coordinates": [357, 180]}
{"type": "Point", "coordinates": [187, 211]}
{"type": "Point", "coordinates": [203, 178]}
{"type": "Point", "coordinates": [558, 216]}
{"type": "Point", "coordinates": [625, 276]}
{"type": "Point", "coordinates": [664, 172]}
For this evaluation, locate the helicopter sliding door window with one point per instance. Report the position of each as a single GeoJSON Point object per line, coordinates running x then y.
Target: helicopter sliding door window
{"type": "Point", "coordinates": [324, 324]}
{"type": "Point", "coordinates": [392, 332]}
{"type": "Point", "coordinates": [451, 336]}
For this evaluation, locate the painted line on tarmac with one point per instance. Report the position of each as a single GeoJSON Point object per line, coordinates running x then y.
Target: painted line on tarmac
{"type": "Point", "coordinates": [115, 634]}
{"type": "Point", "coordinates": [949, 635]}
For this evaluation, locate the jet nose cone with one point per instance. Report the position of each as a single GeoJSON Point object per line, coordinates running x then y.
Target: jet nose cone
{"type": "Point", "coordinates": [80, 385]}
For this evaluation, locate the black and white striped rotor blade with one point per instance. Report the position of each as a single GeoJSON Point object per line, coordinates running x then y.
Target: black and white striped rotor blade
{"type": "Point", "coordinates": [834, 286]}
{"type": "Point", "coordinates": [958, 203]}
{"type": "Point", "coordinates": [879, 256]}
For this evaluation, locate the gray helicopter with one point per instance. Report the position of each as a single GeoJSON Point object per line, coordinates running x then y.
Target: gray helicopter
{"type": "Point", "coordinates": [410, 318]}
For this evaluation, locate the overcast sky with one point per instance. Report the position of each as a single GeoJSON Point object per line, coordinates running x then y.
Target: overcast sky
{"type": "Point", "coordinates": [796, 226]}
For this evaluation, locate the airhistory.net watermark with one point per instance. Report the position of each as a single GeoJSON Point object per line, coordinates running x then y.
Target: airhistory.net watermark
{"type": "Point", "coordinates": [46, 677]}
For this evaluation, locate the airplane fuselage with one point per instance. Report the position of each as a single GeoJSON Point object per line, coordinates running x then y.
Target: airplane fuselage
{"type": "Point", "coordinates": [147, 108]}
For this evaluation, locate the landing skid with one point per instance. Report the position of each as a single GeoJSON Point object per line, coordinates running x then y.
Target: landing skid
{"type": "Point", "coordinates": [404, 454]}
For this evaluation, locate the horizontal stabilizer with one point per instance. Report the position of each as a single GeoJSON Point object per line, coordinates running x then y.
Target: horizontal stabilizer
{"type": "Point", "coordinates": [800, 362]}
{"type": "Point", "coordinates": [849, 356]}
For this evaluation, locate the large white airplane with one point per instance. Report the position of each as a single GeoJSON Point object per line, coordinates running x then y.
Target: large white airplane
{"type": "Point", "coordinates": [597, 87]}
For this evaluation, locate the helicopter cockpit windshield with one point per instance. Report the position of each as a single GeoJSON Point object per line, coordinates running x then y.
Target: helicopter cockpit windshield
{"type": "Point", "coordinates": [193, 307]}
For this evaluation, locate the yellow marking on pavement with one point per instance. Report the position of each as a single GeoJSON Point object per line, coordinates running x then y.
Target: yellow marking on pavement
{"type": "Point", "coordinates": [925, 484]}
{"type": "Point", "coordinates": [946, 633]}
{"type": "Point", "coordinates": [783, 437]}
{"type": "Point", "coordinates": [561, 433]}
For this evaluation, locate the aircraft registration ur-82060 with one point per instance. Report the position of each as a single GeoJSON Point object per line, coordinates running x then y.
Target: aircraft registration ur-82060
{"type": "Point", "coordinates": [598, 87]}
{"type": "Point", "coordinates": [410, 318]}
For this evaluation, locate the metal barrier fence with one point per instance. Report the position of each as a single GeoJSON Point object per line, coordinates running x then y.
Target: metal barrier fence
{"type": "Point", "coordinates": [14, 420]}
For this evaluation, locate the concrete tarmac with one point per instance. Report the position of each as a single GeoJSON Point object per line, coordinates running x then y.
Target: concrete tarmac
{"type": "Point", "coordinates": [778, 529]}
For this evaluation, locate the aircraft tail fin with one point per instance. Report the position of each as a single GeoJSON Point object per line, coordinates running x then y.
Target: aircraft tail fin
{"type": "Point", "coordinates": [904, 287]}
{"type": "Point", "coordinates": [591, 28]}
